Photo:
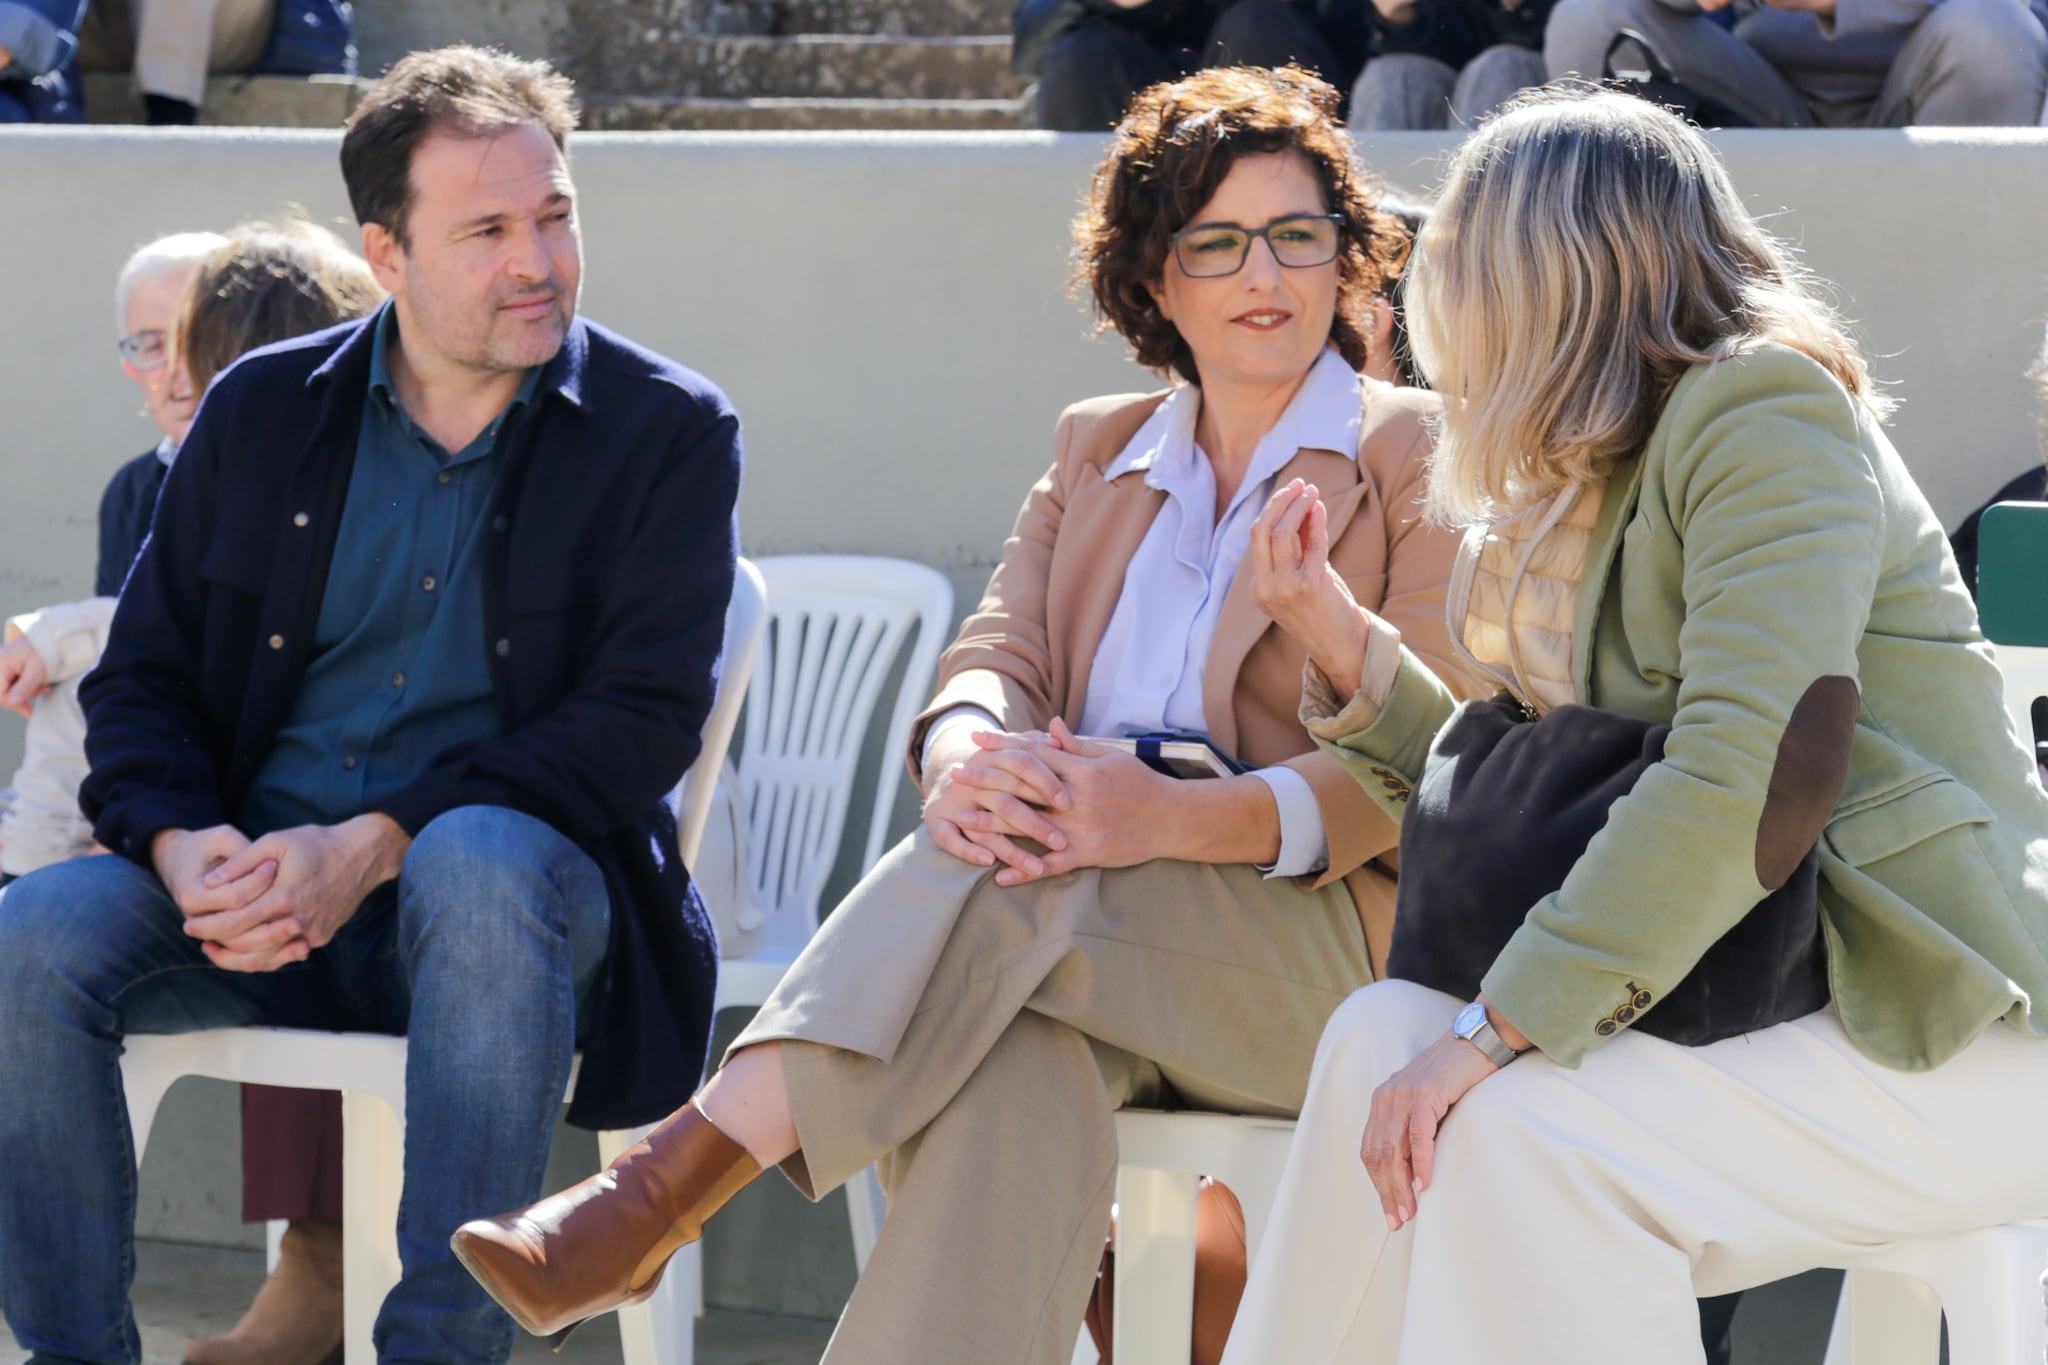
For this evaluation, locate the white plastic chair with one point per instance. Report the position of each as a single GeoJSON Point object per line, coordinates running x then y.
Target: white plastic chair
{"type": "Point", "coordinates": [369, 1070]}
{"type": "Point", "coordinates": [836, 628]}
{"type": "Point", "coordinates": [1987, 1282]}
{"type": "Point", "coordinates": [1160, 1157]}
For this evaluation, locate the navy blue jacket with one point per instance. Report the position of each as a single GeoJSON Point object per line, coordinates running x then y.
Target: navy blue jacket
{"type": "Point", "coordinates": [606, 577]}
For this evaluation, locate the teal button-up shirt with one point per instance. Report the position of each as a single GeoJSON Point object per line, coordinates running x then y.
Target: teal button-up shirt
{"type": "Point", "coordinates": [398, 671]}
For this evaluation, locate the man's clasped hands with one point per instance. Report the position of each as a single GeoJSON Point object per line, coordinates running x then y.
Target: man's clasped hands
{"type": "Point", "coordinates": [261, 904]}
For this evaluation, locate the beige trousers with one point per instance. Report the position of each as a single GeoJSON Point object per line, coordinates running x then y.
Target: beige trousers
{"type": "Point", "coordinates": [974, 1040]}
{"type": "Point", "coordinates": [1575, 1214]}
{"type": "Point", "coordinates": [174, 44]}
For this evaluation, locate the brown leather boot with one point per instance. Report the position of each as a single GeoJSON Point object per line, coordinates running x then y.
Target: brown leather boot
{"type": "Point", "coordinates": [296, 1316]}
{"type": "Point", "coordinates": [603, 1244]}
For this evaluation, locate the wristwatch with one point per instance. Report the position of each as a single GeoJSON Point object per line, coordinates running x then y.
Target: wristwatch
{"type": "Point", "coordinates": [1473, 1026]}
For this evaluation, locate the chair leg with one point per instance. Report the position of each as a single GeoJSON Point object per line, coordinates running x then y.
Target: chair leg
{"type": "Point", "coordinates": [373, 1165]}
{"type": "Point", "coordinates": [1991, 1290]}
{"type": "Point", "coordinates": [866, 1207]}
{"type": "Point", "coordinates": [1155, 1267]}
{"type": "Point", "coordinates": [1884, 1318]}
{"type": "Point", "coordinates": [145, 1087]}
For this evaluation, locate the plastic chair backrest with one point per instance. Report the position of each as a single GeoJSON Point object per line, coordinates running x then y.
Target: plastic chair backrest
{"type": "Point", "coordinates": [836, 628]}
{"type": "Point", "coordinates": [746, 619]}
{"type": "Point", "coordinates": [2012, 573]}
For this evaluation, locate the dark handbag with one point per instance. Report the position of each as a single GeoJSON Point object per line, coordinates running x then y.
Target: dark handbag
{"type": "Point", "coordinates": [1506, 805]}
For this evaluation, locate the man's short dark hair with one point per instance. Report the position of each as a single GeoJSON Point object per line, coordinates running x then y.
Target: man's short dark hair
{"type": "Point", "coordinates": [467, 91]}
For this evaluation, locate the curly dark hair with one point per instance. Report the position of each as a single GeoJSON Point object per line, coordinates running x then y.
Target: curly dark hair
{"type": "Point", "coordinates": [1171, 153]}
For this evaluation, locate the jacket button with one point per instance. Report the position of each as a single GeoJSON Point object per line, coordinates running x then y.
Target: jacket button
{"type": "Point", "coordinates": [504, 648]}
{"type": "Point", "coordinates": [427, 583]}
{"type": "Point", "coordinates": [1641, 1000]}
{"type": "Point", "coordinates": [349, 764]}
{"type": "Point", "coordinates": [301, 519]}
{"type": "Point", "coordinates": [1624, 1014]}
{"type": "Point", "coordinates": [1380, 772]}
{"type": "Point", "coordinates": [444, 476]}
{"type": "Point", "coordinates": [1605, 1028]}
{"type": "Point", "coordinates": [277, 642]}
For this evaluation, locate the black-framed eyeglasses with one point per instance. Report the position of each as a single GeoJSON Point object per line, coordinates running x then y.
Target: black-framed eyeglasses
{"type": "Point", "coordinates": [1208, 250]}
{"type": "Point", "coordinates": [146, 350]}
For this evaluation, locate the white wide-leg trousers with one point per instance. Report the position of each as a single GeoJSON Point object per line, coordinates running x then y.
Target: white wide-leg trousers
{"type": "Point", "coordinates": [1575, 1215]}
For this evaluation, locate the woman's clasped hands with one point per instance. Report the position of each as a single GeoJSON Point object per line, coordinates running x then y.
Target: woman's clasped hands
{"type": "Point", "coordinates": [1045, 802]}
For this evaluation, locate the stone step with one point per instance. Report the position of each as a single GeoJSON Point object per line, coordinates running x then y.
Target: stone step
{"type": "Point", "coordinates": [642, 112]}
{"type": "Point", "coordinates": [244, 101]}
{"type": "Point", "coordinates": [810, 66]}
{"type": "Point", "coordinates": [927, 18]}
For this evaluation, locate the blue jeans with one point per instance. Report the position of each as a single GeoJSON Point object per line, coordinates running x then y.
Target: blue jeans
{"type": "Point", "coordinates": [480, 953]}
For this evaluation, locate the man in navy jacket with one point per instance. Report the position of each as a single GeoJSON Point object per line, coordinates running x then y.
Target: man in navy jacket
{"type": "Point", "coordinates": [425, 629]}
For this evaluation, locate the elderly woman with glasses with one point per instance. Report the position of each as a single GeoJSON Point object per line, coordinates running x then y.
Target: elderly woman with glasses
{"type": "Point", "coordinates": [1071, 931]}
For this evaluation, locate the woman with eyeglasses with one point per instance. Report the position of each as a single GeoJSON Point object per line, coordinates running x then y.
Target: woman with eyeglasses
{"type": "Point", "coordinates": [1071, 931]}
{"type": "Point", "coordinates": [1684, 511]}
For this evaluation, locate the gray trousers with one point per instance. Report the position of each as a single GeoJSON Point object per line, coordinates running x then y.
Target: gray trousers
{"type": "Point", "coordinates": [173, 45]}
{"type": "Point", "coordinates": [1402, 90]}
{"type": "Point", "coordinates": [974, 1040]}
{"type": "Point", "coordinates": [1969, 62]}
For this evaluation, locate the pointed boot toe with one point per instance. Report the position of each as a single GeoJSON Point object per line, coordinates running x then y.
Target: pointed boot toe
{"type": "Point", "coordinates": [603, 1244]}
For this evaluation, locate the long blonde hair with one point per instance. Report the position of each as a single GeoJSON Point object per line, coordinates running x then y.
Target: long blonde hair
{"type": "Point", "coordinates": [1587, 250]}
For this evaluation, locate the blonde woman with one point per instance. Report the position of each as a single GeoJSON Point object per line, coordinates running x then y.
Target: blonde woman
{"type": "Point", "coordinates": [1734, 548]}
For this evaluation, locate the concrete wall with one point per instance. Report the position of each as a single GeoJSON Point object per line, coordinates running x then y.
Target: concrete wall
{"type": "Point", "coordinates": [888, 313]}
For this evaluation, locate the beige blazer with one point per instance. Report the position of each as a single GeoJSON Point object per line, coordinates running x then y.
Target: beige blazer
{"type": "Point", "coordinates": [1025, 653]}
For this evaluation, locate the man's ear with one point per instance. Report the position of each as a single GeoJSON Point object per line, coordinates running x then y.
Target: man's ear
{"type": "Point", "coordinates": [385, 256]}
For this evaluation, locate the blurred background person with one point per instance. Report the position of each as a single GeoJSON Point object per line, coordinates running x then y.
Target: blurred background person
{"type": "Point", "coordinates": [38, 61]}
{"type": "Point", "coordinates": [171, 46]}
{"type": "Point", "coordinates": [1092, 56]}
{"type": "Point", "coordinates": [1446, 63]}
{"type": "Point", "coordinates": [1822, 63]}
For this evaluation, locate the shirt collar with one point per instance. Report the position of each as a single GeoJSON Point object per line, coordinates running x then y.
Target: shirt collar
{"type": "Point", "coordinates": [1324, 415]}
{"type": "Point", "coordinates": [166, 451]}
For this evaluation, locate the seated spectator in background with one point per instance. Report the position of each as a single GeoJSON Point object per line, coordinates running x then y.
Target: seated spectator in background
{"type": "Point", "coordinates": [1092, 56]}
{"type": "Point", "coordinates": [424, 631]}
{"type": "Point", "coordinates": [173, 45]}
{"type": "Point", "coordinates": [50, 649]}
{"type": "Point", "coordinates": [1826, 63]}
{"type": "Point", "coordinates": [271, 283]}
{"type": "Point", "coordinates": [1446, 63]}
{"type": "Point", "coordinates": [38, 61]}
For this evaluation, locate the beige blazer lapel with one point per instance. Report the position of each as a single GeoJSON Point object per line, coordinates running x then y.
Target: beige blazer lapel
{"type": "Point", "coordinates": [1108, 519]}
{"type": "Point", "coordinates": [1240, 624]}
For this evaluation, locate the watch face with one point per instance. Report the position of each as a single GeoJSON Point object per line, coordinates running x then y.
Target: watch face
{"type": "Point", "coordinates": [1469, 1020]}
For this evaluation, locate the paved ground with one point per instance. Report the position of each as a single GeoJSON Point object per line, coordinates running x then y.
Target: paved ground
{"type": "Point", "coordinates": [185, 1292]}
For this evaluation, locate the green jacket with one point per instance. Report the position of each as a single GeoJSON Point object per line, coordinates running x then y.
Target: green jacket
{"type": "Point", "coordinates": [1766, 548]}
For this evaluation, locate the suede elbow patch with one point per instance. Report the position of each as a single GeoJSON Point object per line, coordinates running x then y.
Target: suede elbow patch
{"type": "Point", "coordinates": [1808, 777]}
